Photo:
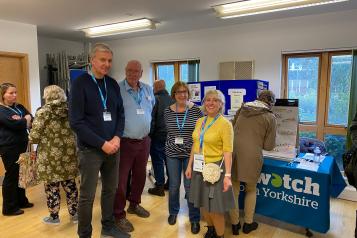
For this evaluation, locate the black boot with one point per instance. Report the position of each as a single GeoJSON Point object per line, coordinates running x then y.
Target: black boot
{"type": "Point", "coordinates": [158, 190]}
{"type": "Point", "coordinates": [249, 227]}
{"type": "Point", "coordinates": [211, 232]}
{"type": "Point", "coordinates": [235, 229]}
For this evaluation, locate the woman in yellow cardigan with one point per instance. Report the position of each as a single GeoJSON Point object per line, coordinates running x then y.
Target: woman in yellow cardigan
{"type": "Point", "coordinates": [212, 146]}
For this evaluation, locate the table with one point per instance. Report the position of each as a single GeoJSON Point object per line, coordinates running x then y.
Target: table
{"type": "Point", "coordinates": [298, 196]}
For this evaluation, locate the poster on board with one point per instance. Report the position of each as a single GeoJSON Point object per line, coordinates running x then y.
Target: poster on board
{"type": "Point", "coordinates": [286, 112]}
{"type": "Point", "coordinates": [195, 91]}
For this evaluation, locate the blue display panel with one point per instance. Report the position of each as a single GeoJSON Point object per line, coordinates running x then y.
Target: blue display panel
{"type": "Point", "coordinates": [232, 89]}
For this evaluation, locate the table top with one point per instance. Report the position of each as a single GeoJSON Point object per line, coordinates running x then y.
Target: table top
{"type": "Point", "coordinates": [327, 167]}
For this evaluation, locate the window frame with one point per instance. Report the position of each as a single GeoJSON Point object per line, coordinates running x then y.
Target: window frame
{"type": "Point", "coordinates": [321, 127]}
{"type": "Point", "coordinates": [177, 65]}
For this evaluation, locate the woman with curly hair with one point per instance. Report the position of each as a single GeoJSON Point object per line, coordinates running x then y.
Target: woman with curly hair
{"type": "Point", "coordinates": [56, 153]}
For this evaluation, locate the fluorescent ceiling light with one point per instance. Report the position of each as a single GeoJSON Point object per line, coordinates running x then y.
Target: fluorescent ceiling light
{"type": "Point", "coordinates": [254, 7]}
{"type": "Point", "coordinates": [120, 28]}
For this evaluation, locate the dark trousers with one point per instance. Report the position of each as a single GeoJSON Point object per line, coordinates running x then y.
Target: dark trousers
{"type": "Point", "coordinates": [133, 156]}
{"type": "Point", "coordinates": [53, 195]}
{"type": "Point", "coordinates": [158, 159]}
{"type": "Point", "coordinates": [13, 196]}
{"type": "Point", "coordinates": [91, 162]}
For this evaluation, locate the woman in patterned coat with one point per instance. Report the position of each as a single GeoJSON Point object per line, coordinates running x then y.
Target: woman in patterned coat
{"type": "Point", "coordinates": [56, 153]}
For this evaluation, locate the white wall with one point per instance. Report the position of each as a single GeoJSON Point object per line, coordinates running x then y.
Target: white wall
{"type": "Point", "coordinates": [51, 45]}
{"type": "Point", "coordinates": [262, 42]}
{"type": "Point", "coordinates": [22, 38]}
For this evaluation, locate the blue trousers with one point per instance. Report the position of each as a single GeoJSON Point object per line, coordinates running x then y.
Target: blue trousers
{"type": "Point", "coordinates": [177, 168]}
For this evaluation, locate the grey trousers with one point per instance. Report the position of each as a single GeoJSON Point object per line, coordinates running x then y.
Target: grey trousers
{"type": "Point", "coordinates": [91, 162]}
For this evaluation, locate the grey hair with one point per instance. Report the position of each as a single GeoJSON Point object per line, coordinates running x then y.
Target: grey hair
{"type": "Point", "coordinates": [101, 47]}
{"type": "Point", "coordinates": [220, 97]}
{"type": "Point", "coordinates": [53, 93]}
{"type": "Point", "coordinates": [267, 97]}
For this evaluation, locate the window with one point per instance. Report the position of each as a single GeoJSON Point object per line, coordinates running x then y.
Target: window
{"type": "Point", "coordinates": [321, 82]}
{"type": "Point", "coordinates": [186, 71]}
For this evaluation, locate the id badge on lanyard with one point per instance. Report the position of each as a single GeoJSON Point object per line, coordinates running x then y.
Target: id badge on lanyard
{"type": "Point", "coordinates": [107, 116]}
{"type": "Point", "coordinates": [140, 111]}
{"type": "Point", "coordinates": [179, 140]}
{"type": "Point", "coordinates": [198, 162]}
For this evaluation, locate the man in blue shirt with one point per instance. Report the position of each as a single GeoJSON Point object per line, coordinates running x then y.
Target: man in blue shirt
{"type": "Point", "coordinates": [138, 100]}
{"type": "Point", "coordinates": [97, 118]}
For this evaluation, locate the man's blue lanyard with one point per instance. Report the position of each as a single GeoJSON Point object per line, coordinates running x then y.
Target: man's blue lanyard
{"type": "Point", "coordinates": [203, 129]}
{"type": "Point", "coordinates": [183, 121]}
{"type": "Point", "coordinates": [104, 99]}
{"type": "Point", "coordinates": [137, 97]}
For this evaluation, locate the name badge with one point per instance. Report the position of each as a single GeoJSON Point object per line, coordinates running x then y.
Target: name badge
{"type": "Point", "coordinates": [198, 162]}
{"type": "Point", "coordinates": [149, 98]}
{"type": "Point", "coordinates": [140, 111]}
{"type": "Point", "coordinates": [107, 116]}
{"type": "Point", "coordinates": [179, 140]}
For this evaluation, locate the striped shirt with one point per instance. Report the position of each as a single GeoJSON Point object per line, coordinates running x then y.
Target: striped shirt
{"type": "Point", "coordinates": [180, 150]}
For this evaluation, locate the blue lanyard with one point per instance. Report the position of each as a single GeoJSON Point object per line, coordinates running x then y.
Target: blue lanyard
{"type": "Point", "coordinates": [183, 121]}
{"type": "Point", "coordinates": [137, 97]}
{"type": "Point", "coordinates": [16, 110]}
{"type": "Point", "coordinates": [203, 130]}
{"type": "Point", "coordinates": [104, 100]}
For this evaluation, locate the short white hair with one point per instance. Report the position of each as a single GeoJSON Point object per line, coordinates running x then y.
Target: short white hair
{"type": "Point", "coordinates": [219, 95]}
{"type": "Point", "coordinates": [101, 47]}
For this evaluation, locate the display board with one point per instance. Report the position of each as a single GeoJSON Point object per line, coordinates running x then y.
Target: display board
{"type": "Point", "coordinates": [286, 112]}
{"type": "Point", "coordinates": [235, 92]}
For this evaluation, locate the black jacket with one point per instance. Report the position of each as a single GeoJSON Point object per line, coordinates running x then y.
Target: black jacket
{"type": "Point", "coordinates": [158, 129]}
{"type": "Point", "coordinates": [12, 132]}
{"type": "Point", "coordinates": [86, 111]}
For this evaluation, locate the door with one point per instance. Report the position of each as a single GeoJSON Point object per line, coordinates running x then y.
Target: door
{"type": "Point", "coordinates": [14, 69]}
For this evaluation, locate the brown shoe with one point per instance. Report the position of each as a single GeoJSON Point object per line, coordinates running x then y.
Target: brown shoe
{"type": "Point", "coordinates": [139, 211]}
{"type": "Point", "coordinates": [124, 225]}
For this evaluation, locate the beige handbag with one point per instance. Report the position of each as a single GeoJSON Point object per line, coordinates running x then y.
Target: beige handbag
{"type": "Point", "coordinates": [28, 169]}
{"type": "Point", "coordinates": [211, 172]}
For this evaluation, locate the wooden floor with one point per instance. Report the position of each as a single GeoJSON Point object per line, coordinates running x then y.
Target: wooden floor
{"type": "Point", "coordinates": [29, 225]}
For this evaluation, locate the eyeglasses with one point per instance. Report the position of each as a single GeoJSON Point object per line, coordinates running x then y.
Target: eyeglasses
{"type": "Point", "coordinates": [181, 92]}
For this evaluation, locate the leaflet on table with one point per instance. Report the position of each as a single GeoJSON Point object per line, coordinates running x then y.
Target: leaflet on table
{"type": "Point", "coordinates": [311, 157]}
{"type": "Point", "coordinates": [304, 164]}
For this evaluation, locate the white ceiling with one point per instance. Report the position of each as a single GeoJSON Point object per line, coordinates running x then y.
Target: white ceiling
{"type": "Point", "coordinates": [64, 18]}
